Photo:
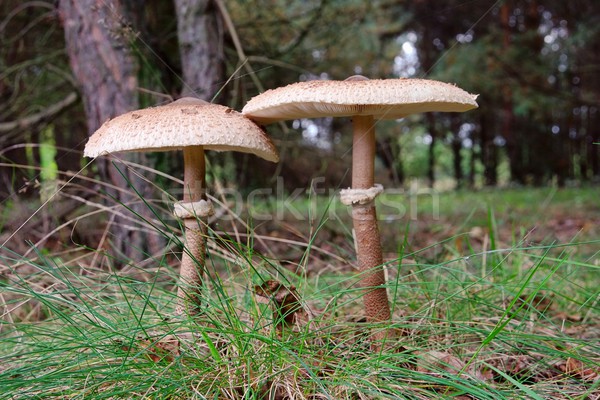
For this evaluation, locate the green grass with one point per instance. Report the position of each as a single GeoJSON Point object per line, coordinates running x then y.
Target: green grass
{"type": "Point", "coordinates": [486, 310]}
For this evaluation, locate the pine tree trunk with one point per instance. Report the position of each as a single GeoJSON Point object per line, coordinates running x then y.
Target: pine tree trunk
{"type": "Point", "coordinates": [390, 160]}
{"type": "Point", "coordinates": [594, 154]}
{"type": "Point", "coordinates": [472, 158]}
{"type": "Point", "coordinates": [98, 36]}
{"type": "Point", "coordinates": [489, 153]}
{"type": "Point", "coordinates": [201, 47]}
{"type": "Point", "coordinates": [507, 117]}
{"type": "Point", "coordinates": [456, 152]}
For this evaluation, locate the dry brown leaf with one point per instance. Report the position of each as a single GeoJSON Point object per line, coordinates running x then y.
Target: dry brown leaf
{"type": "Point", "coordinates": [284, 300]}
{"type": "Point", "coordinates": [164, 349]}
{"type": "Point", "coordinates": [516, 365]}
{"type": "Point", "coordinates": [540, 301]}
{"type": "Point", "coordinates": [578, 369]}
{"type": "Point", "coordinates": [563, 316]}
{"type": "Point", "coordinates": [433, 361]}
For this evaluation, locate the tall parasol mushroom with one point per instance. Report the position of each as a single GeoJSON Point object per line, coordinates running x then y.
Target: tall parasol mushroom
{"type": "Point", "coordinates": [191, 125]}
{"type": "Point", "coordinates": [365, 101]}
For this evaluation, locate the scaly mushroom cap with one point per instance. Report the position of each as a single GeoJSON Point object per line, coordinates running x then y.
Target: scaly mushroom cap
{"type": "Point", "coordinates": [182, 123]}
{"type": "Point", "coordinates": [381, 98]}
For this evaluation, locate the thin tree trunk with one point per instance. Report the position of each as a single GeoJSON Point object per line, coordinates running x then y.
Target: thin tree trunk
{"type": "Point", "coordinates": [472, 159]}
{"type": "Point", "coordinates": [594, 148]}
{"type": "Point", "coordinates": [456, 152]}
{"type": "Point", "coordinates": [489, 154]}
{"type": "Point", "coordinates": [431, 163]}
{"type": "Point", "coordinates": [512, 146]}
{"type": "Point", "coordinates": [390, 159]}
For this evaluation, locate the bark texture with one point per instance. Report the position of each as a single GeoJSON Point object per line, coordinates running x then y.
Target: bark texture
{"type": "Point", "coordinates": [96, 34]}
{"type": "Point", "coordinates": [200, 47]}
{"type": "Point", "coordinates": [431, 127]}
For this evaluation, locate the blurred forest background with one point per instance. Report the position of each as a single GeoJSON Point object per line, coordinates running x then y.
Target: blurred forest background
{"type": "Point", "coordinates": [67, 66]}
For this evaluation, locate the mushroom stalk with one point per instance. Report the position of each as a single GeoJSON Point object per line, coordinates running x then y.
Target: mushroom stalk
{"type": "Point", "coordinates": [382, 99]}
{"type": "Point", "coordinates": [364, 217]}
{"type": "Point", "coordinates": [192, 259]}
{"type": "Point", "coordinates": [192, 125]}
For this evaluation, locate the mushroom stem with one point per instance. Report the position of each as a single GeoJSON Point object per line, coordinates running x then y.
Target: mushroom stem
{"type": "Point", "coordinates": [192, 259]}
{"type": "Point", "coordinates": [363, 152]}
{"type": "Point", "coordinates": [364, 217]}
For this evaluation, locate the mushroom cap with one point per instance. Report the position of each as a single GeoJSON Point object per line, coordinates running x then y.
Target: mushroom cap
{"type": "Point", "coordinates": [380, 98]}
{"type": "Point", "coordinates": [182, 123]}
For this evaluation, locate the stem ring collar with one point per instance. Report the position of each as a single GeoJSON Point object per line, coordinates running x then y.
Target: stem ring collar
{"type": "Point", "coordinates": [202, 209]}
{"type": "Point", "coordinates": [351, 197]}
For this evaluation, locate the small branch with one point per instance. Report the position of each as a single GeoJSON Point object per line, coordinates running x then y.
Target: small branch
{"type": "Point", "coordinates": [22, 7]}
{"type": "Point", "coordinates": [305, 31]}
{"type": "Point", "coordinates": [42, 115]}
{"type": "Point", "coordinates": [237, 43]}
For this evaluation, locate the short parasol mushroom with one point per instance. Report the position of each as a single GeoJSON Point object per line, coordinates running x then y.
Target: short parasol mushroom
{"type": "Point", "coordinates": [366, 101]}
{"type": "Point", "coordinates": [191, 125]}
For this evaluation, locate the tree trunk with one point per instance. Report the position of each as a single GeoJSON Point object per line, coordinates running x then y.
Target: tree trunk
{"type": "Point", "coordinates": [594, 150]}
{"type": "Point", "coordinates": [456, 151]}
{"type": "Point", "coordinates": [508, 118]}
{"type": "Point", "coordinates": [471, 176]}
{"type": "Point", "coordinates": [390, 160]}
{"type": "Point", "coordinates": [201, 47]}
{"type": "Point", "coordinates": [431, 162]}
{"type": "Point", "coordinates": [98, 36]}
{"type": "Point", "coordinates": [100, 57]}
{"type": "Point", "coordinates": [489, 154]}
{"type": "Point", "coordinates": [474, 155]}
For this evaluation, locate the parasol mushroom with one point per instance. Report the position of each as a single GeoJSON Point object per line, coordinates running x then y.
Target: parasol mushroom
{"type": "Point", "coordinates": [191, 125]}
{"type": "Point", "coordinates": [366, 101]}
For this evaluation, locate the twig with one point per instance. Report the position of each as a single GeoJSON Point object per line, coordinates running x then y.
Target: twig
{"type": "Point", "coordinates": [22, 7]}
{"type": "Point", "coordinates": [237, 44]}
{"type": "Point", "coordinates": [35, 118]}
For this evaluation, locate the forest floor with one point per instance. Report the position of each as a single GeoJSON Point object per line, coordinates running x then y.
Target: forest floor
{"type": "Point", "coordinates": [495, 294]}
